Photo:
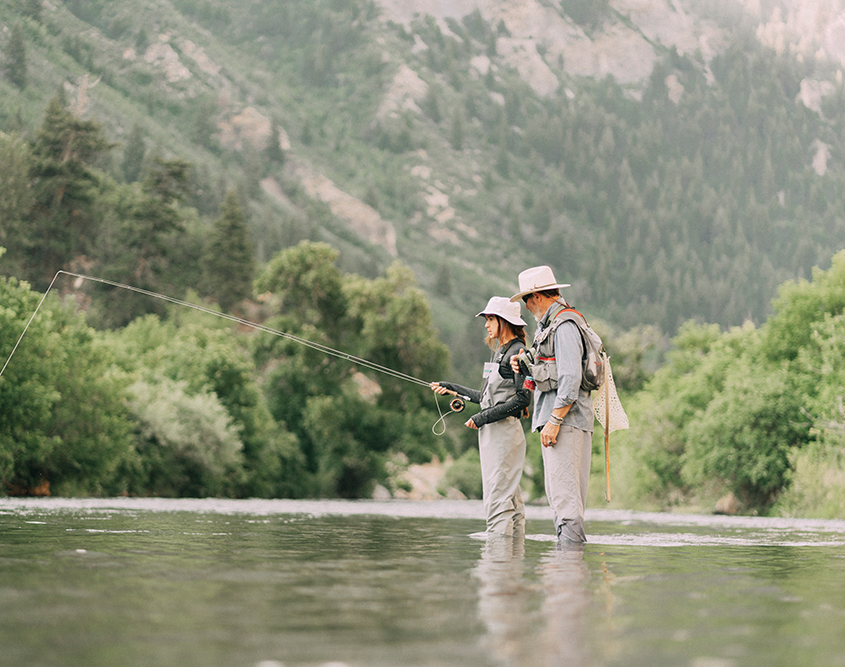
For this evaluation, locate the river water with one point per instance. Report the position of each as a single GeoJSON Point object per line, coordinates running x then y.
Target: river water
{"type": "Point", "coordinates": [271, 583]}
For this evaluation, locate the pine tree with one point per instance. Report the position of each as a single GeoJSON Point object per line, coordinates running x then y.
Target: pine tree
{"type": "Point", "coordinates": [457, 133]}
{"type": "Point", "coordinates": [32, 8]}
{"type": "Point", "coordinates": [431, 104]}
{"type": "Point", "coordinates": [61, 225]}
{"type": "Point", "coordinates": [443, 282]}
{"type": "Point", "coordinates": [16, 58]}
{"type": "Point", "coordinates": [228, 261]}
{"type": "Point", "coordinates": [274, 150]}
{"type": "Point", "coordinates": [133, 154]}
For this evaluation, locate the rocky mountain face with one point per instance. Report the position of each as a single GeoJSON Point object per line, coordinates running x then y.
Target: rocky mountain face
{"type": "Point", "coordinates": [546, 43]}
{"type": "Point", "coordinates": [547, 47]}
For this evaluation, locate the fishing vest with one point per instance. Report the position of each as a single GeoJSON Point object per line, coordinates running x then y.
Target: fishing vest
{"type": "Point", "coordinates": [544, 368]}
{"type": "Point", "coordinates": [497, 389]}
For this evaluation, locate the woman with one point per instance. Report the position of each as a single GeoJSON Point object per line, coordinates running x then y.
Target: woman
{"type": "Point", "coordinates": [501, 441]}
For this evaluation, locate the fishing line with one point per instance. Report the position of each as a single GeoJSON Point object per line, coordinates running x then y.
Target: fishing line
{"type": "Point", "coordinates": [456, 404]}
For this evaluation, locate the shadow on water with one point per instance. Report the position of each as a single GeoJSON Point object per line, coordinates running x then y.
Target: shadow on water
{"type": "Point", "coordinates": [305, 584]}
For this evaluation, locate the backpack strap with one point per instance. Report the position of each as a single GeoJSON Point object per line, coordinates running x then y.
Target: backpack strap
{"type": "Point", "coordinates": [563, 314]}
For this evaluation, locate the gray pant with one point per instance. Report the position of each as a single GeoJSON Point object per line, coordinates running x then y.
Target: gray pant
{"type": "Point", "coordinates": [502, 449]}
{"type": "Point", "coordinates": [566, 468]}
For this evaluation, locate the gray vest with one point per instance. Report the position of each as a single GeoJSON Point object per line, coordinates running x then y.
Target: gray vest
{"type": "Point", "coordinates": [496, 389]}
{"type": "Point", "coordinates": [544, 368]}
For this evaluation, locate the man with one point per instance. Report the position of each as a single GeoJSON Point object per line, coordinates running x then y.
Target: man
{"type": "Point", "coordinates": [563, 412]}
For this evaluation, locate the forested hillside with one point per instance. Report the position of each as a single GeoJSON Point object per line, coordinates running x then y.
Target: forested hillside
{"type": "Point", "coordinates": [189, 147]}
{"type": "Point", "coordinates": [692, 195]}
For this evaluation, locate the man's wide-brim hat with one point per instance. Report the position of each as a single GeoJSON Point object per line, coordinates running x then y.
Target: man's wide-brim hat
{"type": "Point", "coordinates": [536, 279]}
{"type": "Point", "coordinates": [501, 306]}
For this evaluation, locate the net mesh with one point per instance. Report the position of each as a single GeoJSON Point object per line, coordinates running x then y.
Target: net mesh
{"type": "Point", "coordinates": [606, 404]}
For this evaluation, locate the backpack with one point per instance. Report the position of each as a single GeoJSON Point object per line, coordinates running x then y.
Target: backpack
{"type": "Point", "coordinates": [594, 358]}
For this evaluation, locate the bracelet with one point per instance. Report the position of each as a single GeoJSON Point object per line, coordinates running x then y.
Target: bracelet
{"type": "Point", "coordinates": [557, 421]}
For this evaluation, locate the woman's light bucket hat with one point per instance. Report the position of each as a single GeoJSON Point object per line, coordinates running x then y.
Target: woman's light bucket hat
{"type": "Point", "coordinates": [502, 306]}
{"type": "Point", "coordinates": [536, 279]}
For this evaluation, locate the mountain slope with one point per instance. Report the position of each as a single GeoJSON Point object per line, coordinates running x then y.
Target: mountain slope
{"type": "Point", "coordinates": [670, 160]}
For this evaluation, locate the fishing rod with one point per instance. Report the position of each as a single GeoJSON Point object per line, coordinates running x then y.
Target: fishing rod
{"type": "Point", "coordinates": [456, 405]}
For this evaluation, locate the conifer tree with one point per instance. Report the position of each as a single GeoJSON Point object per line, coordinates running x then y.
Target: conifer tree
{"type": "Point", "coordinates": [274, 150]}
{"type": "Point", "coordinates": [228, 261]}
{"type": "Point", "coordinates": [456, 137]}
{"type": "Point", "coordinates": [431, 104]}
{"type": "Point", "coordinates": [443, 282]}
{"type": "Point", "coordinates": [16, 58]}
{"type": "Point", "coordinates": [15, 195]}
{"type": "Point", "coordinates": [32, 8]}
{"type": "Point", "coordinates": [64, 151]}
{"type": "Point", "coordinates": [133, 154]}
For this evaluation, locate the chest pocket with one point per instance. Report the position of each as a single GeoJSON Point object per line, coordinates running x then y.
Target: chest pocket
{"type": "Point", "coordinates": [544, 367]}
{"type": "Point", "coordinates": [544, 372]}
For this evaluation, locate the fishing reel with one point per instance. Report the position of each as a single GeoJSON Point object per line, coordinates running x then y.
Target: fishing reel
{"type": "Point", "coordinates": [457, 404]}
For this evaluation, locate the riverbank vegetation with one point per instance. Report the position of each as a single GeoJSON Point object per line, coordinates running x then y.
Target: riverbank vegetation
{"type": "Point", "coordinates": [674, 209]}
{"type": "Point", "coordinates": [179, 403]}
{"type": "Point", "coordinates": [183, 404]}
{"type": "Point", "coordinates": [755, 412]}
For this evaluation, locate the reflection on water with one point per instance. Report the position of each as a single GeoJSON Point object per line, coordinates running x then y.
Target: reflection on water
{"type": "Point", "coordinates": [566, 605]}
{"type": "Point", "coordinates": [258, 583]}
{"type": "Point", "coordinates": [504, 598]}
{"type": "Point", "coordinates": [554, 634]}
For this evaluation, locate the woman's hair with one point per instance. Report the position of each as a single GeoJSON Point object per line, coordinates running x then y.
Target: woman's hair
{"type": "Point", "coordinates": [506, 332]}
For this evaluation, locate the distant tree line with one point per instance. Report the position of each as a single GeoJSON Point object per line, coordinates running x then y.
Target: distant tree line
{"type": "Point", "coordinates": [155, 401]}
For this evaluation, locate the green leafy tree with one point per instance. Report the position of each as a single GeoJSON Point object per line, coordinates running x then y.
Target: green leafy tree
{"type": "Point", "coordinates": [228, 261]}
{"type": "Point", "coordinates": [187, 444]}
{"type": "Point", "coordinates": [817, 487]}
{"type": "Point", "coordinates": [63, 424]}
{"type": "Point", "coordinates": [800, 306]}
{"type": "Point", "coordinates": [747, 410]}
{"type": "Point", "coordinates": [308, 284]}
{"type": "Point", "coordinates": [239, 450]}
{"type": "Point", "coordinates": [743, 438]}
{"type": "Point", "coordinates": [346, 418]}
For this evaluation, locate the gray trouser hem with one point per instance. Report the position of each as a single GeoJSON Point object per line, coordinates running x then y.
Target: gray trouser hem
{"type": "Point", "coordinates": [571, 531]}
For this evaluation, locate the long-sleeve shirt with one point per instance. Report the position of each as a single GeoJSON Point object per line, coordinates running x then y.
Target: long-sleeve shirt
{"type": "Point", "coordinates": [569, 348]}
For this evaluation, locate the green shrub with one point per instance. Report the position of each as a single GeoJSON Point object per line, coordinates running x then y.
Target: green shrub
{"type": "Point", "coordinates": [187, 443]}
{"type": "Point", "coordinates": [465, 475]}
{"type": "Point", "coordinates": [63, 423]}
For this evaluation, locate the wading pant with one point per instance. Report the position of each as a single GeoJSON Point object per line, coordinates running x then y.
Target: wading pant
{"type": "Point", "coordinates": [566, 468]}
{"type": "Point", "coordinates": [502, 449]}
